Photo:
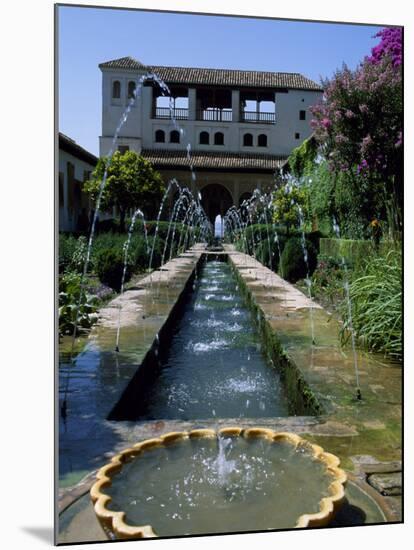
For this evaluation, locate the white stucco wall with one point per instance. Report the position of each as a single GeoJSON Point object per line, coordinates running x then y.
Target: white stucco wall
{"type": "Point", "coordinates": [139, 130]}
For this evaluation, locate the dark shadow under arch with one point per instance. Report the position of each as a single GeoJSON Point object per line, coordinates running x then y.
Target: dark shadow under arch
{"type": "Point", "coordinates": [215, 199]}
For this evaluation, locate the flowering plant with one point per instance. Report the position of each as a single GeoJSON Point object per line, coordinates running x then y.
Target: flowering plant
{"type": "Point", "coordinates": [359, 120]}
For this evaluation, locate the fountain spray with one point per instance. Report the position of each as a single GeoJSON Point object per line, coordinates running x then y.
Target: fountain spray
{"type": "Point", "coordinates": [349, 308]}
{"type": "Point", "coordinates": [137, 213]}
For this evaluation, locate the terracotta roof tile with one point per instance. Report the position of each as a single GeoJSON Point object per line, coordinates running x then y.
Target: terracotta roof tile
{"type": "Point", "coordinates": [218, 77]}
{"type": "Point", "coordinates": [162, 158]}
{"type": "Point", "coordinates": [128, 62]}
{"type": "Point", "coordinates": [70, 146]}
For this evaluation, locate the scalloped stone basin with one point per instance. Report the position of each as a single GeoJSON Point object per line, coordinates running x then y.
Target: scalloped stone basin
{"type": "Point", "coordinates": [203, 481]}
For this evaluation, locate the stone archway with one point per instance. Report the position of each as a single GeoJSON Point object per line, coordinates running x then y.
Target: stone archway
{"type": "Point", "coordinates": [215, 199]}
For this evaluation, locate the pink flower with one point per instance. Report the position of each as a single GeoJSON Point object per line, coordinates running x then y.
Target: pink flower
{"type": "Point", "coordinates": [326, 123]}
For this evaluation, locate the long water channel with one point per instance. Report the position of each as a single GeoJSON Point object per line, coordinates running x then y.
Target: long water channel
{"type": "Point", "coordinates": [214, 366]}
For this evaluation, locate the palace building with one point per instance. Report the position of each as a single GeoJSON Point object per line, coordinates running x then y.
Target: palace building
{"type": "Point", "coordinates": [240, 125]}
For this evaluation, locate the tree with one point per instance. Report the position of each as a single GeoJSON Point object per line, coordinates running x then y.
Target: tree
{"type": "Point", "coordinates": [351, 198]}
{"type": "Point", "coordinates": [131, 183]}
{"type": "Point", "coordinates": [359, 123]}
{"type": "Point", "coordinates": [290, 204]}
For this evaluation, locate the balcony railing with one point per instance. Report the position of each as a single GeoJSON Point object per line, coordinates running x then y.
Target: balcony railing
{"type": "Point", "coordinates": [167, 113]}
{"type": "Point", "coordinates": [215, 115]}
{"type": "Point", "coordinates": [255, 116]}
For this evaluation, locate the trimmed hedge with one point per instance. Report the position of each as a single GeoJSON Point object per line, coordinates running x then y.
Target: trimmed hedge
{"type": "Point", "coordinates": [355, 252]}
{"type": "Point", "coordinates": [261, 233]}
{"type": "Point", "coordinates": [292, 264]}
{"type": "Point", "coordinates": [110, 266]}
{"type": "Point", "coordinates": [69, 249]}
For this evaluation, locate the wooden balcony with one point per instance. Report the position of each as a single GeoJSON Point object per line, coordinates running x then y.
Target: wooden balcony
{"type": "Point", "coordinates": [258, 117]}
{"type": "Point", "coordinates": [166, 113]}
{"type": "Point", "coordinates": [214, 115]}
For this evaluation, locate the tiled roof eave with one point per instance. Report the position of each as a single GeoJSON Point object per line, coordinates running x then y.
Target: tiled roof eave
{"type": "Point", "coordinates": [208, 160]}
{"type": "Point", "coordinates": [198, 76]}
{"type": "Point", "coordinates": [70, 146]}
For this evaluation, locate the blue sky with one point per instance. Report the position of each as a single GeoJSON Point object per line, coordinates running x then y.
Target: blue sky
{"type": "Point", "coordinates": [88, 36]}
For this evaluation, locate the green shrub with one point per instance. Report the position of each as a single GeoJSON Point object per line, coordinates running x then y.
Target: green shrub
{"type": "Point", "coordinates": [141, 255]}
{"type": "Point", "coordinates": [260, 232]}
{"type": "Point", "coordinates": [67, 247]}
{"type": "Point", "coordinates": [69, 301]}
{"type": "Point", "coordinates": [163, 229]}
{"type": "Point", "coordinates": [107, 226]}
{"type": "Point", "coordinates": [292, 264]}
{"type": "Point", "coordinates": [110, 266]}
{"type": "Point", "coordinates": [376, 304]}
{"type": "Point", "coordinates": [327, 280]}
{"type": "Point", "coordinates": [79, 256]}
{"type": "Point", "coordinates": [315, 237]}
{"type": "Point", "coordinates": [262, 252]}
{"type": "Point", "coordinates": [72, 253]}
{"type": "Point", "coordinates": [355, 252]}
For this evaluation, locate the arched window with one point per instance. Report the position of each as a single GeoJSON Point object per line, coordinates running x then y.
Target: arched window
{"type": "Point", "coordinates": [116, 89]}
{"type": "Point", "coordinates": [160, 136]}
{"type": "Point", "coordinates": [248, 140]}
{"type": "Point", "coordinates": [131, 89]}
{"type": "Point", "coordinates": [219, 138]}
{"type": "Point", "coordinates": [204, 138]}
{"type": "Point", "coordinates": [174, 137]}
{"type": "Point", "coordinates": [262, 140]}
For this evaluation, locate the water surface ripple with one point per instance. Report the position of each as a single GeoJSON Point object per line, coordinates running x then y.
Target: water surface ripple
{"type": "Point", "coordinates": [214, 366]}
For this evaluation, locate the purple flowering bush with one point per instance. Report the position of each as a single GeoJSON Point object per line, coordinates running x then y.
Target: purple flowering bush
{"type": "Point", "coordinates": [359, 123]}
{"type": "Point", "coordinates": [390, 45]}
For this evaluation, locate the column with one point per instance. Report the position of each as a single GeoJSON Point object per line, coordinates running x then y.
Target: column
{"type": "Point", "coordinates": [235, 105]}
{"type": "Point", "coordinates": [192, 108]}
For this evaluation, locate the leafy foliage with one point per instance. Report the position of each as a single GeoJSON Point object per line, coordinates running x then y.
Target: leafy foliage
{"type": "Point", "coordinates": [327, 281]}
{"type": "Point", "coordinates": [292, 262]}
{"type": "Point", "coordinates": [351, 198]}
{"type": "Point", "coordinates": [289, 201]}
{"type": "Point", "coordinates": [69, 299]}
{"type": "Point", "coordinates": [259, 238]}
{"type": "Point", "coordinates": [359, 126]}
{"type": "Point", "coordinates": [131, 183]}
{"type": "Point", "coordinates": [376, 300]}
{"type": "Point", "coordinates": [301, 159]}
{"type": "Point", "coordinates": [110, 266]}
